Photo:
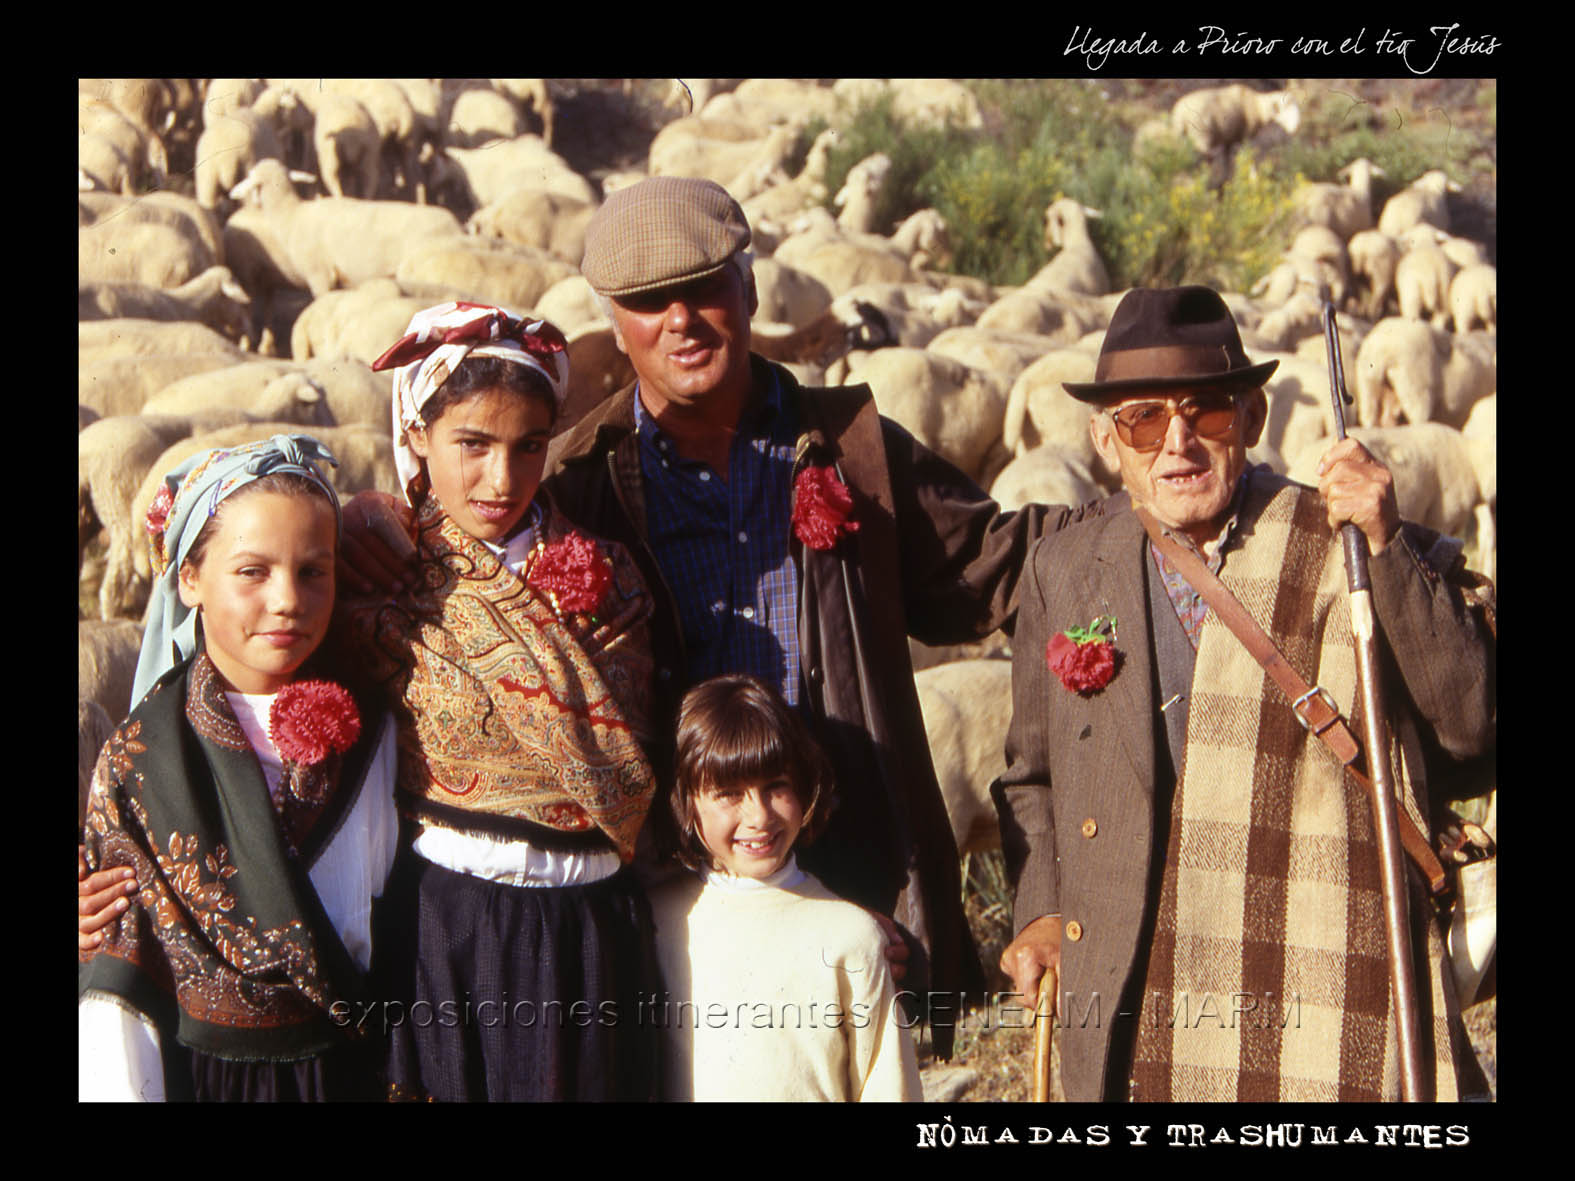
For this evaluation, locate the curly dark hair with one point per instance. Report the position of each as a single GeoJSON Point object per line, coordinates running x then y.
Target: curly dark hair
{"type": "Point", "coordinates": [736, 729]}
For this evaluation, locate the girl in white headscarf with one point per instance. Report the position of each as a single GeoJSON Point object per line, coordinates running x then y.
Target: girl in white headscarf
{"type": "Point", "coordinates": [250, 791]}
{"type": "Point", "coordinates": [519, 666]}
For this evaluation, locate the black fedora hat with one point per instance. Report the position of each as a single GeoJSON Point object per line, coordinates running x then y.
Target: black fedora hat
{"type": "Point", "coordinates": [1166, 337]}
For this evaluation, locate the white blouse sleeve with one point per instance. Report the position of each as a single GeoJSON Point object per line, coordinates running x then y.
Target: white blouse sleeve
{"type": "Point", "coordinates": [118, 1058]}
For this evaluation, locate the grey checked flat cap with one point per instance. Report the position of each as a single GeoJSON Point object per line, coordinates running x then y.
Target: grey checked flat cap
{"type": "Point", "coordinates": [662, 231]}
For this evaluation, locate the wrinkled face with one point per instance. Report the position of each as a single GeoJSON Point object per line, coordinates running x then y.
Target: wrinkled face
{"type": "Point", "coordinates": [265, 587]}
{"type": "Point", "coordinates": [484, 458]}
{"type": "Point", "coordinates": [749, 828]}
{"type": "Point", "coordinates": [688, 341]}
{"type": "Point", "coordinates": [1188, 480]}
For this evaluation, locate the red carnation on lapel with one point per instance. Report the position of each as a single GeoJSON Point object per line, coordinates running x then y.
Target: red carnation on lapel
{"type": "Point", "coordinates": [572, 572]}
{"type": "Point", "coordinates": [1083, 657]}
{"type": "Point", "coordinates": [821, 508]}
{"type": "Point", "coordinates": [311, 720]}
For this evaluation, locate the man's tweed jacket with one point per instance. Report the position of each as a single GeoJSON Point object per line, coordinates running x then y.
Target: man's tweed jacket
{"type": "Point", "coordinates": [1077, 800]}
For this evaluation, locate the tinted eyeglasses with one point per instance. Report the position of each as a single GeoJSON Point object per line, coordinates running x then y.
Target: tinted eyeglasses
{"type": "Point", "coordinates": [1142, 425]}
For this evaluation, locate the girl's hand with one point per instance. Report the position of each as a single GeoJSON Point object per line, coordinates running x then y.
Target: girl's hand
{"type": "Point", "coordinates": [377, 552]}
{"type": "Point", "coordinates": [896, 946]}
{"type": "Point", "coordinates": [102, 898]}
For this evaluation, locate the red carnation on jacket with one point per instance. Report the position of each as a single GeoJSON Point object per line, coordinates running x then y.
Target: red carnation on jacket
{"type": "Point", "coordinates": [311, 720]}
{"type": "Point", "coordinates": [572, 572]}
{"type": "Point", "coordinates": [1082, 657]}
{"type": "Point", "coordinates": [821, 508]}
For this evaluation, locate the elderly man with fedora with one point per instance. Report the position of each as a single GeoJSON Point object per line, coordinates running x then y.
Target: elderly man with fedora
{"type": "Point", "coordinates": [1190, 861]}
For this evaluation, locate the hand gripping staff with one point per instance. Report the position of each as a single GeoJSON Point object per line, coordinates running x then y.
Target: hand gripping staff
{"type": "Point", "coordinates": [1402, 980]}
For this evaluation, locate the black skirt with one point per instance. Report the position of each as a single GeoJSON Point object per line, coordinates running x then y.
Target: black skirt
{"type": "Point", "coordinates": [349, 1073]}
{"type": "Point", "coordinates": [512, 994]}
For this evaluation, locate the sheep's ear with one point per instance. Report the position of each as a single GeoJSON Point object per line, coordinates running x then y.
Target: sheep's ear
{"type": "Point", "coordinates": [1087, 212]}
{"type": "Point", "coordinates": [302, 178]}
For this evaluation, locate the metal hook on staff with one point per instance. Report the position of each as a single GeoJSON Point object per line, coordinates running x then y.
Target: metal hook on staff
{"type": "Point", "coordinates": [1402, 976]}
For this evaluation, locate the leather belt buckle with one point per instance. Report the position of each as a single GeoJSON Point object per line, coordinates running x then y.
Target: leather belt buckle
{"type": "Point", "coordinates": [1319, 693]}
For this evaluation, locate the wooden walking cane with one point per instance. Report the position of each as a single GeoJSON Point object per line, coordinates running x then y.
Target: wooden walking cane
{"type": "Point", "coordinates": [1402, 977]}
{"type": "Point", "coordinates": [1044, 1027]}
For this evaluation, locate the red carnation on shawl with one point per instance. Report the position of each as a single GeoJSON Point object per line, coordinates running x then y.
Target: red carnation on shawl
{"type": "Point", "coordinates": [1082, 657]}
{"type": "Point", "coordinates": [311, 720]}
{"type": "Point", "coordinates": [572, 572]}
{"type": "Point", "coordinates": [821, 508]}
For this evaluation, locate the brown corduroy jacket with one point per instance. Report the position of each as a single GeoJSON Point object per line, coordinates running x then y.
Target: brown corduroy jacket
{"type": "Point", "coordinates": [933, 558]}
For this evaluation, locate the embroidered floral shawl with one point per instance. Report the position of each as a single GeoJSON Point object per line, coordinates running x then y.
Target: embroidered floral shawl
{"type": "Point", "coordinates": [227, 947]}
{"type": "Point", "coordinates": [517, 717]}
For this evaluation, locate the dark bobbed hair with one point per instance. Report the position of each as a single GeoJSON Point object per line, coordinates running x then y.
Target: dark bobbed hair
{"type": "Point", "coordinates": [475, 375]}
{"type": "Point", "coordinates": [282, 483]}
{"type": "Point", "coordinates": [736, 729]}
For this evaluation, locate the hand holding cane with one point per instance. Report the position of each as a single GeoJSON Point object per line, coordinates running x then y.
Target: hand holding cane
{"type": "Point", "coordinates": [1381, 786]}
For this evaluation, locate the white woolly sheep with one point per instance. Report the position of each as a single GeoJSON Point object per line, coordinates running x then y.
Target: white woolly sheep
{"type": "Point", "coordinates": [570, 304]}
{"type": "Point", "coordinates": [934, 102]}
{"type": "Point", "coordinates": [543, 220]}
{"type": "Point", "coordinates": [340, 241]}
{"type": "Point", "coordinates": [1481, 435]}
{"type": "Point", "coordinates": [213, 298]}
{"type": "Point", "coordinates": [1424, 200]}
{"type": "Point", "coordinates": [1077, 266]}
{"type": "Point", "coordinates": [140, 252]}
{"type": "Point", "coordinates": [261, 390]}
{"type": "Point", "coordinates": [952, 409]}
{"type": "Point", "coordinates": [482, 270]}
{"type": "Point", "coordinates": [361, 322]}
{"type": "Point", "coordinates": [1218, 119]}
{"type": "Point", "coordinates": [229, 146]}
{"type": "Point", "coordinates": [1422, 278]}
{"type": "Point", "coordinates": [101, 339]}
{"type": "Point", "coordinates": [349, 148]}
{"type": "Point", "coordinates": [860, 191]}
{"type": "Point", "coordinates": [762, 103]}
{"type": "Point", "coordinates": [489, 174]}
{"type": "Point", "coordinates": [107, 652]}
{"type": "Point", "coordinates": [222, 96]}
{"type": "Point", "coordinates": [777, 204]}
{"type": "Point", "coordinates": [1409, 371]}
{"type": "Point", "coordinates": [598, 368]}
{"type": "Point", "coordinates": [1048, 474]}
{"type": "Point", "coordinates": [479, 115]}
{"type": "Point", "coordinates": [967, 705]}
{"type": "Point", "coordinates": [1473, 297]}
{"type": "Point", "coordinates": [1374, 257]}
{"type": "Point", "coordinates": [163, 208]}
{"type": "Point", "coordinates": [841, 261]}
{"type": "Point", "coordinates": [116, 385]}
{"type": "Point", "coordinates": [1004, 355]}
{"type": "Point", "coordinates": [1039, 411]}
{"type": "Point", "coordinates": [1347, 209]}
{"type": "Point", "coordinates": [788, 295]}
{"type": "Point", "coordinates": [925, 238]}
{"type": "Point", "coordinates": [531, 94]}
{"type": "Point", "coordinates": [142, 149]}
{"type": "Point", "coordinates": [394, 123]}
{"type": "Point", "coordinates": [1435, 483]}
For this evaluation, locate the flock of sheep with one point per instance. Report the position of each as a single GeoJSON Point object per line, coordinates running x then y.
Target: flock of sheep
{"type": "Point", "coordinates": [325, 211]}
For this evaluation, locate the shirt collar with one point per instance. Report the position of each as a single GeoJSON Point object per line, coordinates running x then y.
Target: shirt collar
{"type": "Point", "coordinates": [761, 413]}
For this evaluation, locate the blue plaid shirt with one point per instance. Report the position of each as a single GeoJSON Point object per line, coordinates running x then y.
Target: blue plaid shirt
{"type": "Point", "coordinates": [723, 545]}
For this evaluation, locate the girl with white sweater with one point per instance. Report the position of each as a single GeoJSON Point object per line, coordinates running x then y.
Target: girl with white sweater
{"type": "Point", "coordinates": [774, 988]}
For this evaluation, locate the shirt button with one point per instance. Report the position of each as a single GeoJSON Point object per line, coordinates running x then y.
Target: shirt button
{"type": "Point", "coordinates": [748, 612]}
{"type": "Point", "coordinates": [718, 605]}
{"type": "Point", "coordinates": [705, 476]}
{"type": "Point", "coordinates": [1074, 931]}
{"type": "Point", "coordinates": [742, 536]}
{"type": "Point", "coordinates": [1089, 827]}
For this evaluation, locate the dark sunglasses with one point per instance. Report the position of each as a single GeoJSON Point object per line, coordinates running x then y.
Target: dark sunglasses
{"type": "Point", "coordinates": [1142, 425]}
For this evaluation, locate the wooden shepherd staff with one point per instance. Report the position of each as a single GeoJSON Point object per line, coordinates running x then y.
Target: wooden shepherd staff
{"type": "Point", "coordinates": [1044, 1026]}
{"type": "Point", "coordinates": [1402, 977]}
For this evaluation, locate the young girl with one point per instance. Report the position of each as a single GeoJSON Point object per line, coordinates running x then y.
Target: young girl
{"type": "Point", "coordinates": [252, 799]}
{"type": "Point", "coordinates": [518, 942]}
{"type": "Point", "coordinates": [775, 988]}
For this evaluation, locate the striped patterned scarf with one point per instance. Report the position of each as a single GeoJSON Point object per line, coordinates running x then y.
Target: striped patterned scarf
{"type": "Point", "coordinates": [1267, 978]}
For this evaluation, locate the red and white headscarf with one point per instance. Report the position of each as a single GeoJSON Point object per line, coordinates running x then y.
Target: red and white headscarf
{"type": "Point", "coordinates": [440, 337]}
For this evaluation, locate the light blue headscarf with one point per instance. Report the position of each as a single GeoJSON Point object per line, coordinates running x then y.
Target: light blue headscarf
{"type": "Point", "coordinates": [189, 497]}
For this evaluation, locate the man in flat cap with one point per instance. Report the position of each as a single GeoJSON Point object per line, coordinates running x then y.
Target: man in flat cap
{"type": "Point", "coordinates": [1192, 861]}
{"type": "Point", "coordinates": [792, 533]}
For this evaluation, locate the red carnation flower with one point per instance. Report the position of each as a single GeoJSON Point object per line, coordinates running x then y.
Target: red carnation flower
{"type": "Point", "coordinates": [573, 573]}
{"type": "Point", "coordinates": [159, 511]}
{"type": "Point", "coordinates": [1082, 657]}
{"type": "Point", "coordinates": [311, 720]}
{"type": "Point", "coordinates": [821, 507]}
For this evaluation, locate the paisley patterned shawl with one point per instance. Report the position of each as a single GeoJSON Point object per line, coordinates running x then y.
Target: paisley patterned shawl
{"type": "Point", "coordinates": [515, 717]}
{"type": "Point", "coordinates": [1268, 978]}
{"type": "Point", "coordinates": [227, 947]}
